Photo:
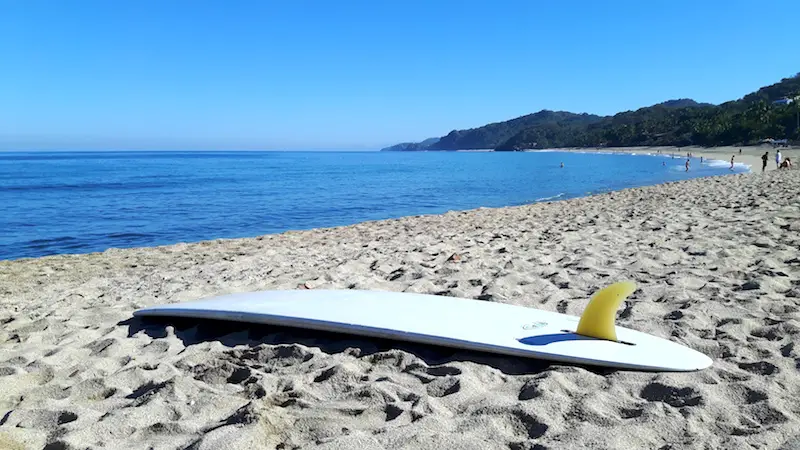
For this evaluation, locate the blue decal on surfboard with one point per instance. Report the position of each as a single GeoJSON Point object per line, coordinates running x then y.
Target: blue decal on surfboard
{"type": "Point", "coordinates": [544, 339]}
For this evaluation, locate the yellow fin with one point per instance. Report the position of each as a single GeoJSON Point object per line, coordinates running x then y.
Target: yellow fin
{"type": "Point", "coordinates": [598, 318]}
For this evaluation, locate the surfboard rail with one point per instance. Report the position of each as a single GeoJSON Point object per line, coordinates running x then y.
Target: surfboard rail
{"type": "Point", "coordinates": [469, 324]}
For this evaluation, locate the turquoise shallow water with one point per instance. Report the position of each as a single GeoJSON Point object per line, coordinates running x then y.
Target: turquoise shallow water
{"type": "Point", "coordinates": [56, 202]}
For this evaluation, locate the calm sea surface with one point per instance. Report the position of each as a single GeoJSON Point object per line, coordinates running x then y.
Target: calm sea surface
{"type": "Point", "coordinates": [56, 202]}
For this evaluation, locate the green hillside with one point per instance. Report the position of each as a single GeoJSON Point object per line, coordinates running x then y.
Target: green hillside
{"type": "Point", "coordinates": [681, 122]}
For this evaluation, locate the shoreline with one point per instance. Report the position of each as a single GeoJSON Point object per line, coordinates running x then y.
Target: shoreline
{"type": "Point", "coordinates": [558, 198]}
{"type": "Point", "coordinates": [554, 198]}
{"type": "Point", "coordinates": [714, 258]}
{"type": "Point", "coordinates": [750, 155]}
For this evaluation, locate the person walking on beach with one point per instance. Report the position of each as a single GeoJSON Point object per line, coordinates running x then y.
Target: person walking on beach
{"type": "Point", "coordinates": [764, 159]}
{"type": "Point", "coordinates": [734, 156]}
{"type": "Point", "coordinates": [778, 159]}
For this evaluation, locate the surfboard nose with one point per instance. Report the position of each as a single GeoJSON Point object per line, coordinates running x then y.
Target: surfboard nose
{"type": "Point", "coordinates": [694, 361]}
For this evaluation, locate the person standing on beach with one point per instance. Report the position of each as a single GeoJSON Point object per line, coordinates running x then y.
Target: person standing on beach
{"type": "Point", "coordinates": [687, 164]}
{"type": "Point", "coordinates": [734, 156]}
{"type": "Point", "coordinates": [764, 159]}
{"type": "Point", "coordinates": [778, 159]}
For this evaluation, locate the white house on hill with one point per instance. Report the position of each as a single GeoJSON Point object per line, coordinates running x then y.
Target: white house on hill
{"type": "Point", "coordinates": [783, 101]}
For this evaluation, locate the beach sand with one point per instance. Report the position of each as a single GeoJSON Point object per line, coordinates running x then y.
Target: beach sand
{"type": "Point", "coordinates": [716, 261]}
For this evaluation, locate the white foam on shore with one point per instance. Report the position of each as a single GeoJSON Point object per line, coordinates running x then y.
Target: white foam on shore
{"type": "Point", "coordinates": [544, 199]}
{"type": "Point", "coordinates": [720, 163]}
{"type": "Point", "coordinates": [714, 163]}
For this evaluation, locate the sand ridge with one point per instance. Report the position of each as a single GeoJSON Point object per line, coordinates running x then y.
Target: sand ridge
{"type": "Point", "coordinates": [716, 262]}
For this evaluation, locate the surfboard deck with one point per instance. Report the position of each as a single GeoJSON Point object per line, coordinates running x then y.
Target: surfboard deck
{"type": "Point", "coordinates": [446, 321]}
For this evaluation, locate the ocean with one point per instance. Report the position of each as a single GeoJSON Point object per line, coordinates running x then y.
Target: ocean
{"type": "Point", "coordinates": [59, 202]}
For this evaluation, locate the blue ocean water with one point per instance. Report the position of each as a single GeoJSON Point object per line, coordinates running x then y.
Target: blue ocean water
{"type": "Point", "coordinates": [56, 202]}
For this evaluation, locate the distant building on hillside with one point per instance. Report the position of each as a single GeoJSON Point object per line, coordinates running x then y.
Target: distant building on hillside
{"type": "Point", "coordinates": [776, 142]}
{"type": "Point", "coordinates": [783, 101]}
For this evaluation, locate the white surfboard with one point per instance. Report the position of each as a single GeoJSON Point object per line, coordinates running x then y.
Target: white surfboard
{"type": "Point", "coordinates": [446, 321]}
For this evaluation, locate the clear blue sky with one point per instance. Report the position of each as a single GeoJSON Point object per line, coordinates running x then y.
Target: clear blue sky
{"type": "Point", "coordinates": [181, 74]}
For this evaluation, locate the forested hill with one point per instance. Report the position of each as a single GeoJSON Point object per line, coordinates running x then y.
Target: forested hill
{"type": "Point", "coordinates": [675, 122]}
{"type": "Point", "coordinates": [411, 146]}
{"type": "Point", "coordinates": [494, 134]}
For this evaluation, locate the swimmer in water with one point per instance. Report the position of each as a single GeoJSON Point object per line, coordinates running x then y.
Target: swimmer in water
{"type": "Point", "coordinates": [687, 164]}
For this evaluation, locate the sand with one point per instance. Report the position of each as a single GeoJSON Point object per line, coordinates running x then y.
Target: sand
{"type": "Point", "coordinates": [716, 261]}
